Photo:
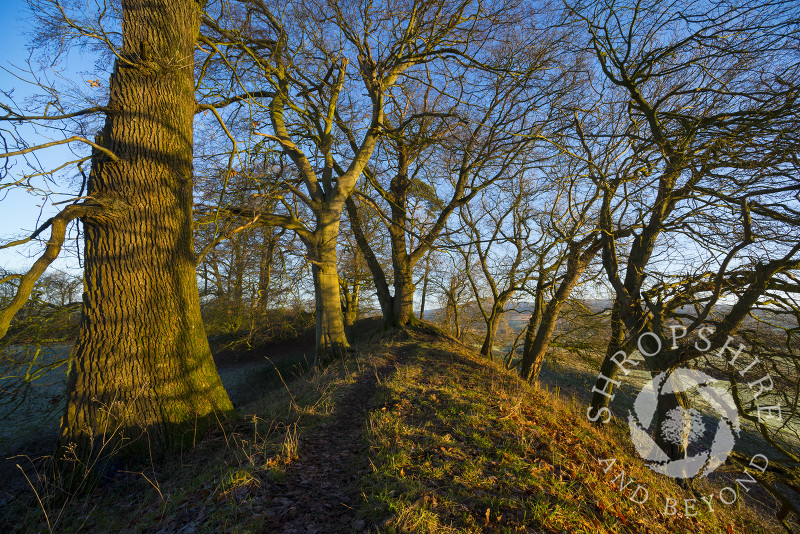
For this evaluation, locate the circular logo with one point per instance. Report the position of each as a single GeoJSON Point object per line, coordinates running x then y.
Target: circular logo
{"type": "Point", "coordinates": [681, 426]}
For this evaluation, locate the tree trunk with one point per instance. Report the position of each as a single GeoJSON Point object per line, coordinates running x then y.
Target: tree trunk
{"type": "Point", "coordinates": [491, 327]}
{"type": "Point", "coordinates": [534, 353]}
{"type": "Point", "coordinates": [236, 279]}
{"type": "Point", "coordinates": [452, 305]}
{"type": "Point", "coordinates": [376, 269]}
{"type": "Point", "coordinates": [603, 388]}
{"type": "Point", "coordinates": [331, 339]}
{"type": "Point", "coordinates": [403, 301]}
{"type": "Point", "coordinates": [265, 272]}
{"type": "Point", "coordinates": [491, 331]}
{"type": "Point", "coordinates": [141, 363]}
{"type": "Point", "coordinates": [457, 321]}
{"type": "Point", "coordinates": [536, 314]}
{"type": "Point", "coordinates": [424, 287]}
{"type": "Point", "coordinates": [350, 305]}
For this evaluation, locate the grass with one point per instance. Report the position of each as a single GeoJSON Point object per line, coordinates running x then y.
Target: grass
{"type": "Point", "coordinates": [208, 489]}
{"type": "Point", "coordinates": [454, 444]}
{"type": "Point", "coordinates": [461, 446]}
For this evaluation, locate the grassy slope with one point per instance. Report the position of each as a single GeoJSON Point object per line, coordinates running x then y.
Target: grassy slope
{"type": "Point", "coordinates": [455, 445]}
{"type": "Point", "coordinates": [464, 447]}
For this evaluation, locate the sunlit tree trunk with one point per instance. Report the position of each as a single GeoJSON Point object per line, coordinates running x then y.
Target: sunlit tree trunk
{"type": "Point", "coordinates": [331, 339]}
{"type": "Point", "coordinates": [424, 287]}
{"type": "Point", "coordinates": [142, 363]}
{"type": "Point", "coordinates": [491, 326]}
{"type": "Point", "coordinates": [403, 293]}
{"type": "Point", "coordinates": [534, 352]}
{"type": "Point", "coordinates": [403, 301]}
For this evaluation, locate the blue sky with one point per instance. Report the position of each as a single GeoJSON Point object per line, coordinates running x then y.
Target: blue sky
{"type": "Point", "coordinates": [19, 211]}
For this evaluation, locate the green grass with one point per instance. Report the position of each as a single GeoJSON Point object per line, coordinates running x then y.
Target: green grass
{"type": "Point", "coordinates": [461, 446]}
{"type": "Point", "coordinates": [455, 444]}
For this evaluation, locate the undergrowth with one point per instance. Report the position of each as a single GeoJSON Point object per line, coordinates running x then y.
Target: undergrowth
{"type": "Point", "coordinates": [214, 487]}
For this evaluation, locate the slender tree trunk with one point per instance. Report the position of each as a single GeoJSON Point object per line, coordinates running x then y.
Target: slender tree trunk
{"type": "Point", "coordinates": [491, 327]}
{"type": "Point", "coordinates": [534, 353]}
{"type": "Point", "coordinates": [237, 268]}
{"type": "Point", "coordinates": [142, 363]}
{"type": "Point", "coordinates": [536, 314]}
{"type": "Point", "coordinates": [457, 321]}
{"type": "Point", "coordinates": [424, 287]}
{"type": "Point", "coordinates": [350, 305]}
{"type": "Point", "coordinates": [452, 304]}
{"type": "Point", "coordinates": [265, 273]}
{"type": "Point", "coordinates": [604, 388]}
{"type": "Point", "coordinates": [258, 319]}
{"type": "Point", "coordinates": [331, 339]}
{"type": "Point", "coordinates": [381, 285]}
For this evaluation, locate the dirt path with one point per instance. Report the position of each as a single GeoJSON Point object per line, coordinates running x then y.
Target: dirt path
{"type": "Point", "coordinates": [322, 492]}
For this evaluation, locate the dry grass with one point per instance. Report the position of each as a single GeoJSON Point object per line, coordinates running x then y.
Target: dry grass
{"type": "Point", "coordinates": [460, 445]}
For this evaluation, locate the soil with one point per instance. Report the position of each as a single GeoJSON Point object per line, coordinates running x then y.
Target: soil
{"type": "Point", "coordinates": [322, 492]}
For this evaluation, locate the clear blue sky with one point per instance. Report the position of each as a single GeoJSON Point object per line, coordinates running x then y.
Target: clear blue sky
{"type": "Point", "coordinates": [19, 211]}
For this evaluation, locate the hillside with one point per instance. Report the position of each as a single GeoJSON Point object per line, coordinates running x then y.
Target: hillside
{"type": "Point", "coordinates": [413, 433]}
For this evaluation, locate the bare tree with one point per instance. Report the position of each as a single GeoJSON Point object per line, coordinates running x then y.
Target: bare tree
{"type": "Point", "coordinates": [451, 136]}
{"type": "Point", "coordinates": [499, 230]}
{"type": "Point", "coordinates": [314, 60]}
{"type": "Point", "coordinates": [705, 102]}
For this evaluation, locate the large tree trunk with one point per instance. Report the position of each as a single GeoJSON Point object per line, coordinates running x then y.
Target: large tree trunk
{"type": "Point", "coordinates": [403, 303]}
{"type": "Point", "coordinates": [331, 339]}
{"type": "Point", "coordinates": [142, 363]}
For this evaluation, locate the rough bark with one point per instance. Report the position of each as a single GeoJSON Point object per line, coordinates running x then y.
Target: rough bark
{"type": "Point", "coordinates": [142, 364]}
{"type": "Point", "coordinates": [403, 300]}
